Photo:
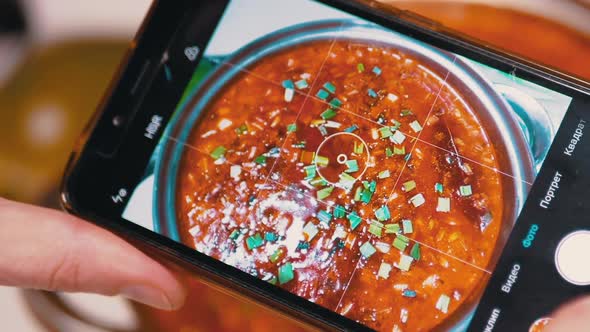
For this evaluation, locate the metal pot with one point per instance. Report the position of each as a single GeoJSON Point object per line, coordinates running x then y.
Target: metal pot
{"type": "Point", "coordinates": [501, 123]}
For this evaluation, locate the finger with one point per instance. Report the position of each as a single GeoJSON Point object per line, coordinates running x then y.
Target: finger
{"type": "Point", "coordinates": [572, 317]}
{"type": "Point", "coordinates": [46, 249]}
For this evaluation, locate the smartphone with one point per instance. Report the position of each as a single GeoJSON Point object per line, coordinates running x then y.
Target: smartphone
{"type": "Point", "coordinates": [354, 168]}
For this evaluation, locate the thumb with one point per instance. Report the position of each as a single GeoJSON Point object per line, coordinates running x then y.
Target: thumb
{"type": "Point", "coordinates": [46, 249]}
{"type": "Point", "coordinates": [572, 317]}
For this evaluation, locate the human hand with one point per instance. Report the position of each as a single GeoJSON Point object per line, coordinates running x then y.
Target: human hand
{"type": "Point", "coordinates": [571, 317]}
{"type": "Point", "coordinates": [47, 249]}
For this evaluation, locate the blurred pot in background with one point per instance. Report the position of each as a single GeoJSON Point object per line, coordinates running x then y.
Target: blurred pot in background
{"type": "Point", "coordinates": [555, 33]}
{"type": "Point", "coordinates": [51, 82]}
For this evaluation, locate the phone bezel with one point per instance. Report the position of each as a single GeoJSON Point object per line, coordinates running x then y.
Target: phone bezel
{"type": "Point", "coordinates": [161, 26]}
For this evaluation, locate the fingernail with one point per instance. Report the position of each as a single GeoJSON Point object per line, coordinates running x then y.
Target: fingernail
{"type": "Point", "coordinates": [148, 295]}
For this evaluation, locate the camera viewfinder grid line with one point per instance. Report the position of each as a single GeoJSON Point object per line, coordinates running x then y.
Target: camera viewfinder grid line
{"type": "Point", "coordinates": [417, 139]}
{"type": "Point", "coordinates": [307, 97]}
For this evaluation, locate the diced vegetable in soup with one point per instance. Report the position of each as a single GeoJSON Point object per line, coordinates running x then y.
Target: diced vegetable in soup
{"type": "Point", "coordinates": [358, 180]}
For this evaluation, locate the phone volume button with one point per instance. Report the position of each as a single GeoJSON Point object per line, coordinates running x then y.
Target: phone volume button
{"type": "Point", "coordinates": [141, 78]}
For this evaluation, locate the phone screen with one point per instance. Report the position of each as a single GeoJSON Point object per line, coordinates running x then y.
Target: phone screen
{"type": "Point", "coordinates": [356, 167]}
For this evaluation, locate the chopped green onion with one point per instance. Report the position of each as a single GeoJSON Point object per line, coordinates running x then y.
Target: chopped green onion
{"type": "Point", "coordinates": [271, 236]}
{"type": "Point", "coordinates": [409, 293]}
{"type": "Point", "coordinates": [324, 217]}
{"type": "Point", "coordinates": [382, 247]}
{"type": "Point", "coordinates": [360, 67]}
{"type": "Point", "coordinates": [330, 87]}
{"type": "Point", "coordinates": [332, 124]}
{"type": "Point", "coordinates": [416, 127]}
{"type": "Point", "coordinates": [443, 303]}
{"type": "Point", "coordinates": [396, 125]}
{"type": "Point", "coordinates": [366, 196]}
{"type": "Point", "coordinates": [376, 228]}
{"type": "Point", "coordinates": [340, 233]}
{"type": "Point", "coordinates": [302, 245]}
{"type": "Point", "coordinates": [382, 213]}
{"type": "Point", "coordinates": [322, 161]}
{"type": "Point", "coordinates": [409, 186]}
{"type": "Point", "coordinates": [392, 229]}
{"type": "Point", "coordinates": [388, 152]}
{"type": "Point", "coordinates": [399, 151]}
{"type": "Point", "coordinates": [274, 152]}
{"type": "Point", "coordinates": [351, 129]}
{"type": "Point", "coordinates": [235, 234]}
{"type": "Point", "coordinates": [218, 152]}
{"type": "Point", "coordinates": [352, 165]}
{"type": "Point", "coordinates": [398, 137]}
{"type": "Point", "coordinates": [292, 128]}
{"type": "Point", "coordinates": [405, 262]}
{"type": "Point", "coordinates": [418, 200]}
{"type": "Point", "coordinates": [300, 145]}
{"type": "Point", "coordinates": [358, 148]}
{"type": "Point", "coordinates": [324, 193]}
{"type": "Point", "coordinates": [372, 93]}
{"type": "Point", "coordinates": [415, 252]}
{"type": "Point", "coordinates": [254, 241]}
{"type": "Point", "coordinates": [354, 219]}
{"type": "Point", "coordinates": [407, 226]}
{"type": "Point", "coordinates": [241, 130]}
{"type": "Point", "coordinates": [346, 180]}
{"type": "Point", "coordinates": [399, 243]}
{"type": "Point", "coordinates": [317, 123]}
{"type": "Point", "coordinates": [318, 182]}
{"type": "Point", "coordinates": [260, 160]}
{"type": "Point", "coordinates": [288, 84]}
{"type": "Point", "coordinates": [335, 103]}
{"type": "Point", "coordinates": [444, 204]}
{"type": "Point", "coordinates": [406, 112]}
{"type": "Point", "coordinates": [271, 280]}
{"type": "Point", "coordinates": [377, 71]}
{"type": "Point", "coordinates": [301, 84]}
{"type": "Point", "coordinates": [286, 273]}
{"type": "Point", "coordinates": [310, 230]}
{"type": "Point", "coordinates": [322, 94]}
{"type": "Point", "coordinates": [357, 194]}
{"type": "Point", "coordinates": [372, 186]}
{"type": "Point", "coordinates": [384, 271]}
{"type": "Point", "coordinates": [367, 250]}
{"type": "Point", "coordinates": [465, 191]}
{"type": "Point", "coordinates": [276, 255]}
{"type": "Point", "coordinates": [385, 132]}
{"type": "Point", "coordinates": [328, 114]}
{"type": "Point", "coordinates": [235, 171]}
{"type": "Point", "coordinates": [323, 130]}
{"type": "Point", "coordinates": [439, 188]}
{"type": "Point", "coordinates": [392, 97]}
{"type": "Point", "coordinates": [384, 174]}
{"type": "Point", "coordinates": [339, 211]}
{"type": "Point", "coordinates": [289, 95]}
{"type": "Point", "coordinates": [310, 172]}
